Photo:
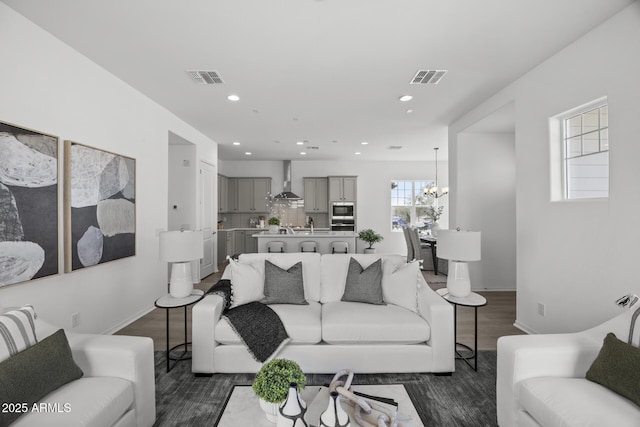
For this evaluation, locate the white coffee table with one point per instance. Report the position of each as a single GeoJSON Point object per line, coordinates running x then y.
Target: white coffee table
{"type": "Point", "coordinates": [242, 408]}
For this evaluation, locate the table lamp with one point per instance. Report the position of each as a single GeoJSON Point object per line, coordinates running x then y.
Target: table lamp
{"type": "Point", "coordinates": [180, 248]}
{"type": "Point", "coordinates": [459, 247]}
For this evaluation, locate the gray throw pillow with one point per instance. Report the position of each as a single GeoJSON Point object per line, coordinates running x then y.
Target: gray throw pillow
{"type": "Point", "coordinates": [35, 372]}
{"type": "Point", "coordinates": [283, 286]}
{"type": "Point", "coordinates": [364, 285]}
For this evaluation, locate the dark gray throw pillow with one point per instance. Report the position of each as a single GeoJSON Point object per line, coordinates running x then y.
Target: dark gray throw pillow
{"type": "Point", "coordinates": [283, 286]}
{"type": "Point", "coordinates": [35, 372]}
{"type": "Point", "coordinates": [364, 284]}
{"type": "Point", "coordinates": [617, 368]}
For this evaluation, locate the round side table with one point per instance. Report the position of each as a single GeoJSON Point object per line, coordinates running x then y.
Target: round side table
{"type": "Point", "coordinates": [168, 302]}
{"type": "Point", "coordinates": [472, 300]}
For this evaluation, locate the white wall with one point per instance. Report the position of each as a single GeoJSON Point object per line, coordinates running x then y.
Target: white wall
{"type": "Point", "coordinates": [485, 200]}
{"type": "Point", "coordinates": [575, 257]}
{"type": "Point", "coordinates": [374, 187]}
{"type": "Point", "coordinates": [47, 86]}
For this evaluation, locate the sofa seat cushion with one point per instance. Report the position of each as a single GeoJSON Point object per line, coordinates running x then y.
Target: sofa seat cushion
{"type": "Point", "coordinates": [88, 401]}
{"type": "Point", "coordinates": [559, 401]}
{"type": "Point", "coordinates": [302, 323]}
{"type": "Point", "coordinates": [357, 323]}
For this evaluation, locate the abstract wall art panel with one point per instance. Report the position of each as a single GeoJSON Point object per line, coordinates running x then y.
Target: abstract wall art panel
{"type": "Point", "coordinates": [100, 206]}
{"type": "Point", "coordinates": [28, 204]}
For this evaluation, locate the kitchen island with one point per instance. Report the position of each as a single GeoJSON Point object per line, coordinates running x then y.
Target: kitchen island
{"type": "Point", "coordinates": [323, 239]}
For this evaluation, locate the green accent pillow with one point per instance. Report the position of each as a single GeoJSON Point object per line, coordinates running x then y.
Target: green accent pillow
{"type": "Point", "coordinates": [35, 372]}
{"type": "Point", "coordinates": [283, 286]}
{"type": "Point", "coordinates": [617, 368]}
{"type": "Point", "coordinates": [364, 284]}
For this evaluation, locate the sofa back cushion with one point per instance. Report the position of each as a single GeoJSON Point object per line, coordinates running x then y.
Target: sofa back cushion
{"type": "Point", "coordinates": [336, 266]}
{"type": "Point", "coordinates": [310, 268]}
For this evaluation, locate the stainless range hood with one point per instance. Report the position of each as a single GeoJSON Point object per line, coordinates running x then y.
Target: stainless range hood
{"type": "Point", "coordinates": [286, 191]}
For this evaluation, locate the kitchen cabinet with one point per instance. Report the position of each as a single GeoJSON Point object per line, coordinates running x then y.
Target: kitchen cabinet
{"type": "Point", "coordinates": [226, 245]}
{"type": "Point", "coordinates": [343, 188]}
{"type": "Point", "coordinates": [315, 195]}
{"type": "Point", "coordinates": [252, 194]}
{"type": "Point", "coordinates": [232, 195]}
{"type": "Point", "coordinates": [232, 242]}
{"type": "Point", "coordinates": [223, 194]}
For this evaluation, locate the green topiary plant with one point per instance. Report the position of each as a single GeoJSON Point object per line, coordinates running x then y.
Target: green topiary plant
{"type": "Point", "coordinates": [274, 221]}
{"type": "Point", "coordinates": [369, 236]}
{"type": "Point", "coordinates": [272, 380]}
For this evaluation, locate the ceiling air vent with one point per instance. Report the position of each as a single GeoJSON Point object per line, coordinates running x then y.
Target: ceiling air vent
{"type": "Point", "coordinates": [205, 77]}
{"type": "Point", "coordinates": [394, 147]}
{"type": "Point", "coordinates": [428, 77]}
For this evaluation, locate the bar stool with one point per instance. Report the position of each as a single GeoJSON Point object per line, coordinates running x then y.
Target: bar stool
{"type": "Point", "coordinates": [308, 246]}
{"type": "Point", "coordinates": [339, 247]}
{"type": "Point", "coordinates": [276, 246]}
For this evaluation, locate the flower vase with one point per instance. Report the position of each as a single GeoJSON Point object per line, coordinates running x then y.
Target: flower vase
{"type": "Point", "coordinates": [434, 228]}
{"type": "Point", "coordinates": [291, 412]}
{"type": "Point", "coordinates": [334, 415]}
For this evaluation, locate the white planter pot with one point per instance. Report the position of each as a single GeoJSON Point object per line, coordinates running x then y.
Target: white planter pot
{"type": "Point", "coordinates": [274, 229]}
{"type": "Point", "coordinates": [270, 410]}
{"type": "Point", "coordinates": [370, 250]}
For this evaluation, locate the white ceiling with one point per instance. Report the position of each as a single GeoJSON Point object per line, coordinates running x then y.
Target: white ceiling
{"type": "Point", "coordinates": [325, 72]}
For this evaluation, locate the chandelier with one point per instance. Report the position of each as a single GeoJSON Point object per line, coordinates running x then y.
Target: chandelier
{"type": "Point", "coordinates": [432, 191]}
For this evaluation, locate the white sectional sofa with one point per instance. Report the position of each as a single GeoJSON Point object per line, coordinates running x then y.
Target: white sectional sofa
{"type": "Point", "coordinates": [329, 334]}
{"type": "Point", "coordinates": [117, 387]}
{"type": "Point", "coordinates": [541, 380]}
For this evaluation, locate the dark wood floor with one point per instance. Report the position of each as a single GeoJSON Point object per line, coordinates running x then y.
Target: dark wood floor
{"type": "Point", "coordinates": [494, 320]}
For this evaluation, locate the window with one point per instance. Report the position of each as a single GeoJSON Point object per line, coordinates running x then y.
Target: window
{"type": "Point", "coordinates": [409, 204]}
{"type": "Point", "coordinates": [586, 151]}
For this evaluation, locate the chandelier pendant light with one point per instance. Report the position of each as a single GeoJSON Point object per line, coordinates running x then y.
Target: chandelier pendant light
{"type": "Point", "coordinates": [433, 190]}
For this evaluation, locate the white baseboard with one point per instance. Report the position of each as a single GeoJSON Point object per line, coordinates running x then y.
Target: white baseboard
{"type": "Point", "coordinates": [129, 321]}
{"type": "Point", "coordinates": [524, 328]}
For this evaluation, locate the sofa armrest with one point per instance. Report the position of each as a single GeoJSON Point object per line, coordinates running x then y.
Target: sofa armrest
{"type": "Point", "coordinates": [439, 314]}
{"type": "Point", "coordinates": [205, 315]}
{"type": "Point", "coordinates": [126, 357]}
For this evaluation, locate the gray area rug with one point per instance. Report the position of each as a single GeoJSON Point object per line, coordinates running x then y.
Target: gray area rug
{"type": "Point", "coordinates": [466, 398]}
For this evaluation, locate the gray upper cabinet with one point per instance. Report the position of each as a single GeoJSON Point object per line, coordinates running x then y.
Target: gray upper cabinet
{"type": "Point", "coordinates": [232, 195]}
{"type": "Point", "coordinates": [252, 194]}
{"type": "Point", "coordinates": [343, 188]}
{"type": "Point", "coordinates": [223, 194]}
{"type": "Point", "coordinates": [315, 195]}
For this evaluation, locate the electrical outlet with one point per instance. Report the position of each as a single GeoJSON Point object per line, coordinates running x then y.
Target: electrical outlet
{"type": "Point", "coordinates": [541, 309]}
{"type": "Point", "coordinates": [75, 320]}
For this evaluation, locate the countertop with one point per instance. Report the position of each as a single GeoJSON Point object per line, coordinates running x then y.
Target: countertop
{"type": "Point", "coordinates": [307, 234]}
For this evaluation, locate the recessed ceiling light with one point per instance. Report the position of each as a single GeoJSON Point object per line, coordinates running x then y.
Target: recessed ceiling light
{"type": "Point", "coordinates": [247, 153]}
{"type": "Point", "coordinates": [302, 153]}
{"type": "Point", "coordinates": [409, 111]}
{"type": "Point", "coordinates": [233, 98]}
{"type": "Point", "coordinates": [236, 143]}
{"type": "Point", "coordinates": [299, 143]}
{"type": "Point", "coordinates": [364, 143]}
{"type": "Point", "coordinates": [405, 98]}
{"type": "Point", "coordinates": [357, 153]}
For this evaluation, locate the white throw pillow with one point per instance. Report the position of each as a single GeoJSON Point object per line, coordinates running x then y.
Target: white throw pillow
{"type": "Point", "coordinates": [247, 282]}
{"type": "Point", "coordinates": [400, 284]}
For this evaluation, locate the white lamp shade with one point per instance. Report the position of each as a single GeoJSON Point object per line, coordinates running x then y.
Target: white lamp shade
{"type": "Point", "coordinates": [180, 246]}
{"type": "Point", "coordinates": [458, 245]}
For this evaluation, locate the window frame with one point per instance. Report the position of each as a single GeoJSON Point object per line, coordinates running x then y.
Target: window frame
{"type": "Point", "coordinates": [560, 190]}
{"type": "Point", "coordinates": [415, 193]}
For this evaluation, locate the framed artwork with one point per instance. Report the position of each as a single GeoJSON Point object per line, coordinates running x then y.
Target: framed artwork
{"type": "Point", "coordinates": [28, 204]}
{"type": "Point", "coordinates": [100, 206]}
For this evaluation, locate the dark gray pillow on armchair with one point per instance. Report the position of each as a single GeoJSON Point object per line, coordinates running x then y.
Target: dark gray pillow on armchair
{"type": "Point", "coordinates": [283, 286]}
{"type": "Point", "coordinates": [35, 372]}
{"type": "Point", "coordinates": [364, 284]}
{"type": "Point", "coordinates": [617, 368]}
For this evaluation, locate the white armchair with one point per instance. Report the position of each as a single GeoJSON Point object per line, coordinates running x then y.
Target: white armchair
{"type": "Point", "coordinates": [541, 380]}
{"type": "Point", "coordinates": [117, 388]}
